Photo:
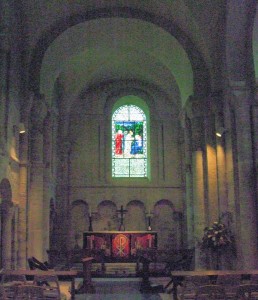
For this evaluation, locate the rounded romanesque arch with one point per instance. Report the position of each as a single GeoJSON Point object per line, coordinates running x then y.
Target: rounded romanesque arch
{"type": "Point", "coordinates": [167, 223]}
{"type": "Point", "coordinates": [135, 218]}
{"type": "Point", "coordinates": [79, 222]}
{"type": "Point", "coordinates": [106, 216]}
{"type": "Point", "coordinates": [201, 73]}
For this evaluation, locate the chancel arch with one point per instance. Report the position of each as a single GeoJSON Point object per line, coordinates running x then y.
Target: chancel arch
{"type": "Point", "coordinates": [135, 217]}
{"type": "Point", "coordinates": [79, 222]}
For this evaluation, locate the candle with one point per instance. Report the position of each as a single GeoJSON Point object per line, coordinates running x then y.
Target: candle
{"type": "Point", "coordinates": [89, 211]}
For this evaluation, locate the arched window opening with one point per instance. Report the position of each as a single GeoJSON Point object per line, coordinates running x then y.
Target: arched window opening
{"type": "Point", "coordinates": [129, 142]}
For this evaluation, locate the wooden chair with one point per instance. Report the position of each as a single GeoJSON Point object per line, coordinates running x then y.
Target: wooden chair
{"type": "Point", "coordinates": [12, 278]}
{"type": "Point", "coordinates": [211, 292]}
{"type": "Point", "coordinates": [10, 282]}
{"type": "Point", "coordinates": [254, 279]}
{"type": "Point", "coordinates": [26, 292]}
{"type": "Point", "coordinates": [3, 295]}
{"type": "Point", "coordinates": [190, 285]}
{"type": "Point", "coordinates": [230, 283]}
{"type": "Point", "coordinates": [50, 285]}
{"type": "Point", "coordinates": [247, 292]}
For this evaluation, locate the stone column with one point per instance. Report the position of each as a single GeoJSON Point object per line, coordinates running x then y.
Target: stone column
{"type": "Point", "coordinates": [188, 181]}
{"type": "Point", "coordinates": [5, 15]}
{"type": "Point", "coordinates": [23, 186]}
{"type": "Point", "coordinates": [245, 182]}
{"type": "Point", "coordinates": [7, 213]}
{"type": "Point", "coordinates": [211, 167]}
{"type": "Point", "coordinates": [48, 188]}
{"type": "Point", "coordinates": [217, 108]}
{"type": "Point", "coordinates": [36, 193]}
{"type": "Point", "coordinates": [63, 194]}
{"type": "Point", "coordinates": [255, 136]}
{"type": "Point", "coordinates": [195, 113]}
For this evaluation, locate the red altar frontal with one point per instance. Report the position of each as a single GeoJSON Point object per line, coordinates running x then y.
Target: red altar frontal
{"type": "Point", "coordinates": [120, 245]}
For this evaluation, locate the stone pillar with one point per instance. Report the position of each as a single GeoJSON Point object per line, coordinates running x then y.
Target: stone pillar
{"type": "Point", "coordinates": [211, 168]}
{"type": "Point", "coordinates": [255, 136]}
{"type": "Point", "coordinates": [37, 247]}
{"type": "Point", "coordinates": [7, 213]}
{"type": "Point", "coordinates": [195, 113]}
{"type": "Point", "coordinates": [47, 175]}
{"type": "Point", "coordinates": [188, 181]}
{"type": "Point", "coordinates": [23, 186]}
{"type": "Point", "coordinates": [245, 181]}
{"type": "Point", "coordinates": [220, 154]}
{"type": "Point", "coordinates": [5, 14]}
{"type": "Point", "coordinates": [63, 227]}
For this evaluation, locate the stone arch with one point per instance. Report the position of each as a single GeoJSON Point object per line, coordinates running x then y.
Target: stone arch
{"type": "Point", "coordinates": [106, 216]}
{"type": "Point", "coordinates": [165, 223]}
{"type": "Point", "coordinates": [7, 234]}
{"type": "Point", "coordinates": [200, 69]}
{"type": "Point", "coordinates": [135, 218]}
{"type": "Point", "coordinates": [79, 222]}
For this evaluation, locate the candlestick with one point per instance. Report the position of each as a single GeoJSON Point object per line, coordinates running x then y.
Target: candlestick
{"type": "Point", "coordinates": [90, 225]}
{"type": "Point", "coordinates": [149, 225]}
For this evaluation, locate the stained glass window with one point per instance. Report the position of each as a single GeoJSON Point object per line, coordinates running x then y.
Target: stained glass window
{"type": "Point", "coordinates": [129, 142]}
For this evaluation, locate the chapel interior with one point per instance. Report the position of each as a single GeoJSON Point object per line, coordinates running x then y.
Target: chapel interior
{"type": "Point", "coordinates": [69, 69]}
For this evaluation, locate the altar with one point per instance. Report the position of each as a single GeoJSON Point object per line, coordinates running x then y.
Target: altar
{"type": "Point", "coordinates": [119, 245]}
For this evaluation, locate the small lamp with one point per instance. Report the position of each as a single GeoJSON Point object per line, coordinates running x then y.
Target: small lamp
{"type": "Point", "coordinates": [22, 129]}
{"type": "Point", "coordinates": [220, 131]}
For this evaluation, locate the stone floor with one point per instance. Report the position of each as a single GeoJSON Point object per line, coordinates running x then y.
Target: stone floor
{"type": "Point", "coordinates": [117, 288]}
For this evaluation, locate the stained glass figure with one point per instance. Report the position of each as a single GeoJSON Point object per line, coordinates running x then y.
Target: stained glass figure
{"type": "Point", "coordinates": [129, 142]}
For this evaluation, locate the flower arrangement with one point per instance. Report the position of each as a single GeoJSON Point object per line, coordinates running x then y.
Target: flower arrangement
{"type": "Point", "coordinates": [216, 237]}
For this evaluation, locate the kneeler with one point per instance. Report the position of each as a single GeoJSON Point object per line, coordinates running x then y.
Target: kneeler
{"type": "Point", "coordinates": [87, 285]}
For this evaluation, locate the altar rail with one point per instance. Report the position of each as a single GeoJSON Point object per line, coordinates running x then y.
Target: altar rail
{"type": "Point", "coordinates": [161, 261]}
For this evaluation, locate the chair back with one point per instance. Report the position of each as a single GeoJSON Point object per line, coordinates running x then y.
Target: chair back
{"type": "Point", "coordinates": [3, 295]}
{"type": "Point", "coordinates": [51, 286]}
{"type": "Point", "coordinates": [190, 285]}
{"type": "Point", "coordinates": [29, 292]}
{"type": "Point", "coordinates": [10, 282]}
{"type": "Point", "coordinates": [211, 292]}
{"type": "Point", "coordinates": [247, 292]}
{"type": "Point", "coordinates": [13, 278]}
{"type": "Point", "coordinates": [254, 279]}
{"type": "Point", "coordinates": [229, 280]}
{"type": "Point", "coordinates": [230, 283]}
